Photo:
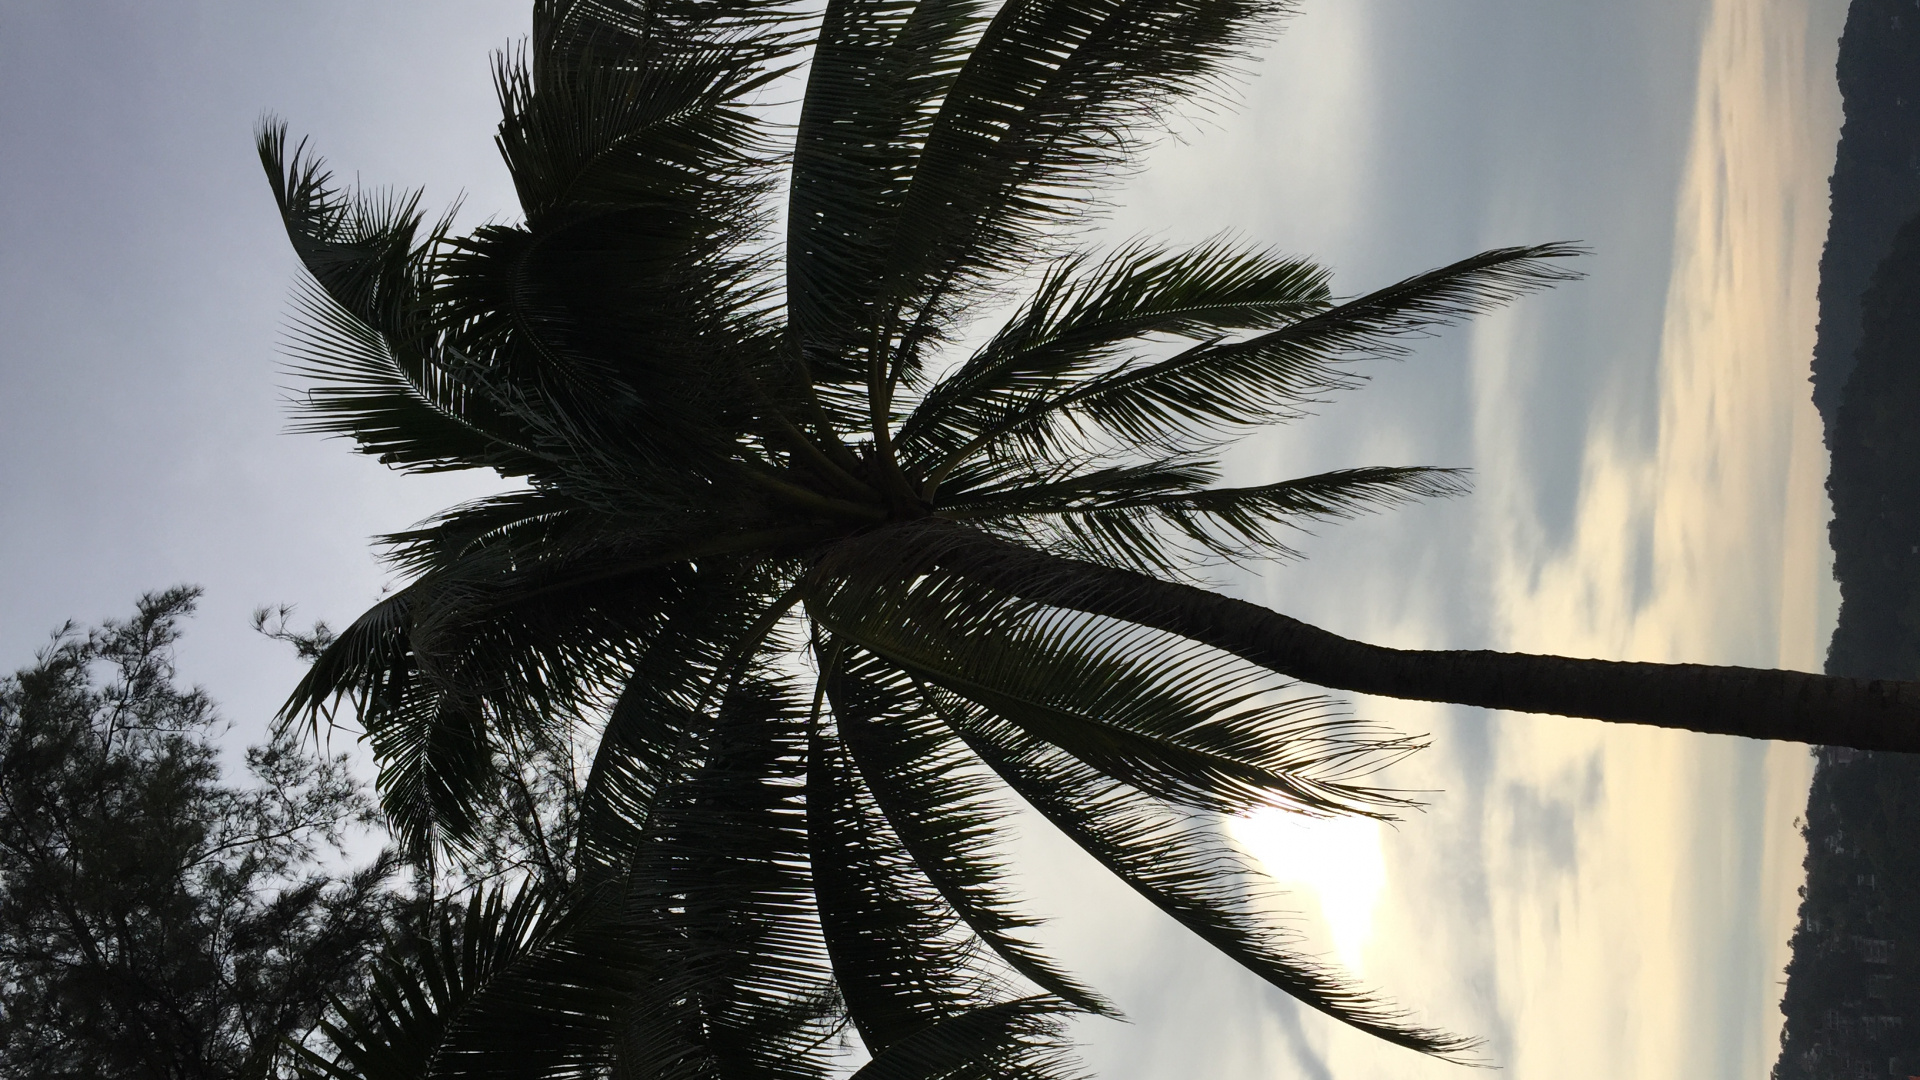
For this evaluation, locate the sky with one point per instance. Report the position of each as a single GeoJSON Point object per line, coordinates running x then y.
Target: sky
{"type": "Point", "coordinates": [1592, 900]}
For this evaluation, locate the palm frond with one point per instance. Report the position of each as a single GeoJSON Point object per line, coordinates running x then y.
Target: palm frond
{"type": "Point", "coordinates": [606, 345]}
{"type": "Point", "coordinates": [1185, 867]}
{"type": "Point", "coordinates": [649, 742]}
{"type": "Point", "coordinates": [1217, 386]}
{"type": "Point", "coordinates": [940, 808]}
{"type": "Point", "coordinates": [365, 658]}
{"type": "Point", "coordinates": [877, 78]}
{"type": "Point", "coordinates": [1172, 718]}
{"type": "Point", "coordinates": [498, 987]}
{"type": "Point", "coordinates": [1081, 315]}
{"type": "Point", "coordinates": [560, 988]}
{"type": "Point", "coordinates": [901, 957]}
{"type": "Point", "coordinates": [578, 33]}
{"type": "Point", "coordinates": [1039, 487]}
{"type": "Point", "coordinates": [435, 755]}
{"type": "Point", "coordinates": [641, 177]}
{"type": "Point", "coordinates": [553, 534]}
{"type": "Point", "coordinates": [723, 871]}
{"type": "Point", "coordinates": [1014, 1040]}
{"type": "Point", "coordinates": [462, 663]}
{"type": "Point", "coordinates": [361, 335]}
{"type": "Point", "coordinates": [533, 524]}
{"type": "Point", "coordinates": [613, 127]}
{"type": "Point", "coordinates": [1053, 100]}
{"type": "Point", "coordinates": [654, 730]}
{"type": "Point", "coordinates": [1167, 530]}
{"type": "Point", "coordinates": [629, 297]}
{"type": "Point", "coordinates": [363, 248]}
{"type": "Point", "coordinates": [396, 404]}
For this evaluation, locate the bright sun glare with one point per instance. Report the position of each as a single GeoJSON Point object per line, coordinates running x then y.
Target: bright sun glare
{"type": "Point", "coordinates": [1333, 864]}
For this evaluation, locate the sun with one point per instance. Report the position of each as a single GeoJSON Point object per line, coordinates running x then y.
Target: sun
{"type": "Point", "coordinates": [1336, 865]}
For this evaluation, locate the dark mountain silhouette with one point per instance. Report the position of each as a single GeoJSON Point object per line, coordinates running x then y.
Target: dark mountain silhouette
{"type": "Point", "coordinates": [1852, 1000]}
{"type": "Point", "coordinates": [1853, 990]}
{"type": "Point", "coordinates": [1876, 178]}
{"type": "Point", "coordinates": [1874, 480]}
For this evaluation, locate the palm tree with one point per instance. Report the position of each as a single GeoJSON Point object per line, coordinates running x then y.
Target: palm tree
{"type": "Point", "coordinates": [823, 579]}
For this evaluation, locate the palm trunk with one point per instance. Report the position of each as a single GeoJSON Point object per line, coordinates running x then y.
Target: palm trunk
{"type": "Point", "coordinates": [1752, 702]}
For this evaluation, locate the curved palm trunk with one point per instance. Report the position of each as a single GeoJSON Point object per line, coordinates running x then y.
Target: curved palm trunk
{"type": "Point", "coordinates": [1752, 702]}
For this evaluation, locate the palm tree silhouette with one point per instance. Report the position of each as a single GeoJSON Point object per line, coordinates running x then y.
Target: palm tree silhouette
{"type": "Point", "coordinates": [825, 577]}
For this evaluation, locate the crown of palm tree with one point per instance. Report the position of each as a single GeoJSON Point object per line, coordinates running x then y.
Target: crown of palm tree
{"type": "Point", "coordinates": [797, 551]}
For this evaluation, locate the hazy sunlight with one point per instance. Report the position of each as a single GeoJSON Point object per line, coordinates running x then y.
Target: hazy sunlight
{"type": "Point", "coordinates": [1334, 864]}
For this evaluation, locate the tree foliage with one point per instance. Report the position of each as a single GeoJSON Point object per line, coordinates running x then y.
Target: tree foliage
{"type": "Point", "coordinates": [155, 921]}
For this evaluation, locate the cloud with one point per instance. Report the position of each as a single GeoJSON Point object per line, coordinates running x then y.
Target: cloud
{"type": "Point", "coordinates": [1543, 829]}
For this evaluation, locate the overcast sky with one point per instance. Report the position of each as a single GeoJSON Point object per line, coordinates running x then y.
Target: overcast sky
{"type": "Point", "coordinates": [1593, 901]}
